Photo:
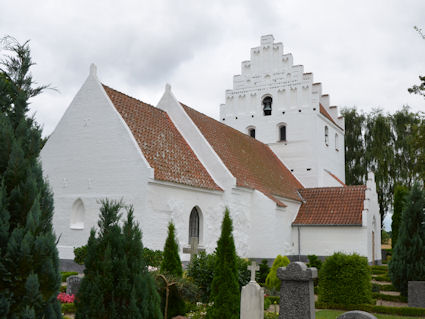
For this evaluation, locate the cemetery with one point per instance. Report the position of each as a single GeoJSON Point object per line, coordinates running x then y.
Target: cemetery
{"type": "Point", "coordinates": [214, 263]}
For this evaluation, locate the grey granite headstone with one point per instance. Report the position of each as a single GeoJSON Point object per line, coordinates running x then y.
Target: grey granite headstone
{"type": "Point", "coordinates": [416, 294]}
{"type": "Point", "coordinates": [73, 285]}
{"type": "Point", "coordinates": [297, 291]}
{"type": "Point", "coordinates": [356, 314]}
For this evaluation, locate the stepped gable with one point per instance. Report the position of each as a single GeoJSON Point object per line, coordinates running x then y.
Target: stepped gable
{"type": "Point", "coordinates": [163, 146]}
{"type": "Point", "coordinates": [253, 163]}
{"type": "Point", "coordinates": [328, 116]}
{"type": "Point", "coordinates": [331, 206]}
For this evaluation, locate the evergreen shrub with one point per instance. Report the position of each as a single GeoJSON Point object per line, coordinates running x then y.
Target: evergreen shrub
{"type": "Point", "coordinates": [66, 274]}
{"type": "Point", "coordinates": [171, 263]}
{"type": "Point", "coordinates": [264, 271]}
{"type": "Point", "coordinates": [272, 282]}
{"type": "Point", "coordinates": [153, 258]}
{"type": "Point", "coordinates": [345, 279]}
{"type": "Point", "coordinates": [80, 254]}
{"type": "Point", "coordinates": [116, 282]}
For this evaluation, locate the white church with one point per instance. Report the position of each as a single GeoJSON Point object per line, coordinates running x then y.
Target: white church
{"type": "Point", "coordinates": [275, 159]}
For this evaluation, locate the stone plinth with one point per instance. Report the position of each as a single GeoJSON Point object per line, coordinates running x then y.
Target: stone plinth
{"type": "Point", "coordinates": [416, 293]}
{"type": "Point", "coordinates": [252, 301]}
{"type": "Point", "coordinates": [297, 291]}
{"type": "Point", "coordinates": [356, 314]}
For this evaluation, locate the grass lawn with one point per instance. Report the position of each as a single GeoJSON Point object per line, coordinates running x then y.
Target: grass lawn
{"type": "Point", "coordinates": [332, 314]}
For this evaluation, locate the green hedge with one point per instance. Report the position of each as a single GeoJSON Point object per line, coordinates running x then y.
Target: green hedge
{"type": "Point", "coordinates": [387, 288]}
{"type": "Point", "coordinates": [62, 288]}
{"type": "Point", "coordinates": [68, 308]}
{"type": "Point", "coordinates": [345, 279]}
{"type": "Point", "coordinates": [382, 278]}
{"type": "Point", "coordinates": [377, 295]}
{"type": "Point", "coordinates": [379, 271]}
{"type": "Point", "coordinates": [273, 299]}
{"type": "Point", "coordinates": [401, 311]}
{"type": "Point", "coordinates": [66, 274]}
{"type": "Point", "coordinates": [379, 267]}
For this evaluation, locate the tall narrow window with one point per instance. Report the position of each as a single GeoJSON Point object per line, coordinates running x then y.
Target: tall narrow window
{"type": "Point", "coordinates": [251, 132]}
{"type": "Point", "coordinates": [336, 142]}
{"type": "Point", "coordinates": [326, 135]}
{"type": "Point", "coordinates": [267, 105]}
{"type": "Point", "coordinates": [77, 215]}
{"type": "Point", "coordinates": [194, 224]}
{"type": "Point", "coordinates": [282, 133]}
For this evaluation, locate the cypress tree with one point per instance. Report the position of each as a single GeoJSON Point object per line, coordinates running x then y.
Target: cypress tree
{"type": "Point", "coordinates": [171, 263]}
{"type": "Point", "coordinates": [408, 260]}
{"type": "Point", "coordinates": [29, 264]}
{"type": "Point", "coordinates": [400, 193]}
{"type": "Point", "coordinates": [117, 283]}
{"type": "Point", "coordinates": [225, 293]}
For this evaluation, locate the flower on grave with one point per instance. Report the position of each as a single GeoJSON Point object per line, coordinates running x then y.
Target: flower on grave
{"type": "Point", "coordinates": [64, 298]}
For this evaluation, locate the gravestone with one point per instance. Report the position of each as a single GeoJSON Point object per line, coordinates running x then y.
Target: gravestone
{"type": "Point", "coordinates": [416, 294]}
{"type": "Point", "coordinates": [73, 285]}
{"type": "Point", "coordinates": [252, 297]}
{"type": "Point", "coordinates": [297, 291]}
{"type": "Point", "coordinates": [356, 314]}
{"type": "Point", "coordinates": [194, 247]}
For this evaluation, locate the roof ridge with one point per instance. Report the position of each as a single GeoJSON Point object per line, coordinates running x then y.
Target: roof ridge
{"type": "Point", "coordinates": [334, 187]}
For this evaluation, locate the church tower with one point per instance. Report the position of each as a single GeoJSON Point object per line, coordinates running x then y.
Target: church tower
{"type": "Point", "coordinates": [275, 102]}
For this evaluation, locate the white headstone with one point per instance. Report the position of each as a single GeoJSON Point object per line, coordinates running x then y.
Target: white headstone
{"type": "Point", "coordinates": [252, 297]}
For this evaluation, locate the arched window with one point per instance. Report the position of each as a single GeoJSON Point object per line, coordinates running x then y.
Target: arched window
{"type": "Point", "coordinates": [194, 224]}
{"type": "Point", "coordinates": [251, 132]}
{"type": "Point", "coordinates": [267, 105]}
{"type": "Point", "coordinates": [336, 142]}
{"type": "Point", "coordinates": [282, 133]}
{"type": "Point", "coordinates": [326, 135]}
{"type": "Point", "coordinates": [77, 215]}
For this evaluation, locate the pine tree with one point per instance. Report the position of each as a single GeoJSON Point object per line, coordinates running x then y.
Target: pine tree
{"type": "Point", "coordinates": [400, 193]}
{"type": "Point", "coordinates": [408, 260]}
{"type": "Point", "coordinates": [29, 264]}
{"type": "Point", "coordinates": [171, 263]}
{"type": "Point", "coordinates": [272, 282]}
{"type": "Point", "coordinates": [225, 293]}
{"type": "Point", "coordinates": [117, 283]}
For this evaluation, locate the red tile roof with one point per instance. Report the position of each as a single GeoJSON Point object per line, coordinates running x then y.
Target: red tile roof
{"type": "Point", "coordinates": [331, 206]}
{"type": "Point", "coordinates": [163, 146]}
{"type": "Point", "coordinates": [327, 115]}
{"type": "Point", "coordinates": [253, 163]}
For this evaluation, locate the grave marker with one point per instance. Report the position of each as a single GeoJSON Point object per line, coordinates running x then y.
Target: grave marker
{"type": "Point", "coordinates": [252, 297]}
{"type": "Point", "coordinates": [194, 247]}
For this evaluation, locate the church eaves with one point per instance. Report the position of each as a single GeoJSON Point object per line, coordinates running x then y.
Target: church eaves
{"type": "Point", "coordinates": [252, 162]}
{"type": "Point", "coordinates": [161, 143]}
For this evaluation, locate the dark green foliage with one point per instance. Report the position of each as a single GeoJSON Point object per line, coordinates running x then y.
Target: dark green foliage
{"type": "Point", "coordinates": [225, 292]}
{"type": "Point", "coordinates": [66, 274]}
{"type": "Point", "coordinates": [244, 275]}
{"type": "Point", "coordinates": [408, 260]}
{"type": "Point", "coordinates": [153, 258]}
{"type": "Point", "coordinates": [418, 89]}
{"type": "Point", "coordinates": [379, 296]}
{"type": "Point", "coordinates": [382, 278]}
{"type": "Point", "coordinates": [68, 307]}
{"type": "Point", "coordinates": [314, 261]}
{"type": "Point", "coordinates": [29, 264]}
{"type": "Point", "coordinates": [201, 272]}
{"type": "Point", "coordinates": [264, 271]}
{"type": "Point", "coordinates": [171, 263]}
{"type": "Point", "coordinates": [116, 282]}
{"type": "Point", "coordinates": [345, 279]}
{"type": "Point", "coordinates": [400, 192]}
{"type": "Point", "coordinates": [272, 282]}
{"type": "Point", "coordinates": [80, 254]}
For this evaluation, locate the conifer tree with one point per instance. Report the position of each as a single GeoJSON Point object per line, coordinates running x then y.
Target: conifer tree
{"type": "Point", "coordinates": [171, 263]}
{"type": "Point", "coordinates": [225, 293]}
{"type": "Point", "coordinates": [272, 282]}
{"type": "Point", "coordinates": [29, 264]}
{"type": "Point", "coordinates": [117, 283]}
{"type": "Point", "coordinates": [400, 193]}
{"type": "Point", "coordinates": [408, 260]}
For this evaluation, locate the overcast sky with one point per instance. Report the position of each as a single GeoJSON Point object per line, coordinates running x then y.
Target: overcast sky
{"type": "Point", "coordinates": [366, 53]}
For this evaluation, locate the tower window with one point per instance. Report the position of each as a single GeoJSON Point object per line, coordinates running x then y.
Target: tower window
{"type": "Point", "coordinates": [267, 105]}
{"type": "Point", "coordinates": [194, 224]}
{"type": "Point", "coordinates": [251, 132]}
{"type": "Point", "coordinates": [336, 142]}
{"type": "Point", "coordinates": [326, 135]}
{"type": "Point", "coordinates": [282, 133]}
